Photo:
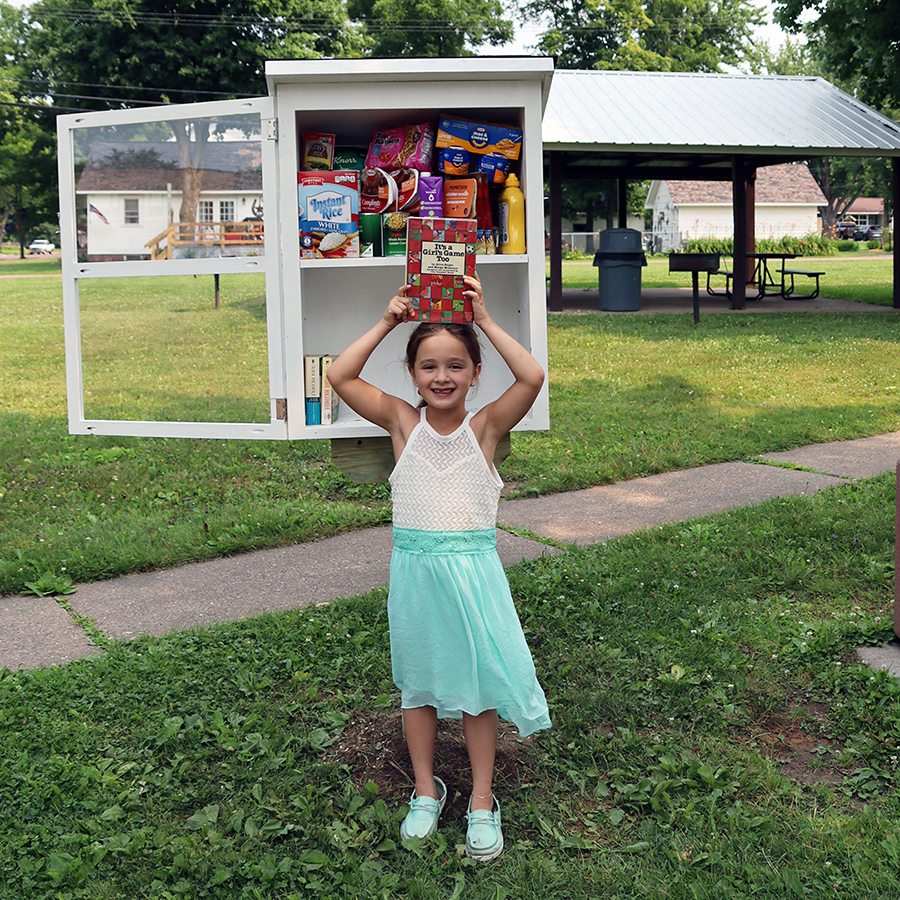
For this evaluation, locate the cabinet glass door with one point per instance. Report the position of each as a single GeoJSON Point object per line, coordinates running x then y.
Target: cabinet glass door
{"type": "Point", "coordinates": [171, 284]}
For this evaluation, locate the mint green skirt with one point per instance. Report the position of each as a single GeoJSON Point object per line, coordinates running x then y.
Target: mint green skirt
{"type": "Point", "coordinates": [456, 640]}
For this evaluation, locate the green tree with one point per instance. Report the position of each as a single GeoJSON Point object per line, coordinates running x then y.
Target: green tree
{"type": "Point", "coordinates": [430, 28]}
{"type": "Point", "coordinates": [857, 41]}
{"type": "Point", "coordinates": [645, 35]}
{"type": "Point", "coordinates": [178, 50]}
{"type": "Point", "coordinates": [842, 179]}
{"type": "Point", "coordinates": [28, 195]}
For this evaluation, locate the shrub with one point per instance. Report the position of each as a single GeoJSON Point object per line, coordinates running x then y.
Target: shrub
{"type": "Point", "coordinates": [847, 246]}
{"type": "Point", "coordinates": [808, 245]}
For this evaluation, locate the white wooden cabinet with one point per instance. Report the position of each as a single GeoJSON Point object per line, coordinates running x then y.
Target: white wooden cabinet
{"type": "Point", "coordinates": [120, 362]}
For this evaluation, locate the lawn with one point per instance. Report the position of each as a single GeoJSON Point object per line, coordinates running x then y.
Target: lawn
{"type": "Point", "coordinates": [629, 396]}
{"type": "Point", "coordinates": [865, 276]}
{"type": "Point", "coordinates": [714, 735]}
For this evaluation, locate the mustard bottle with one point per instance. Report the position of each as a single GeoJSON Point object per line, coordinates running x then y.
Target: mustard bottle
{"type": "Point", "coordinates": [512, 217]}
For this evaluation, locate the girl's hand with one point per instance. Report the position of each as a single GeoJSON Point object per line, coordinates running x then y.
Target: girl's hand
{"type": "Point", "coordinates": [476, 294]}
{"type": "Point", "coordinates": [400, 309]}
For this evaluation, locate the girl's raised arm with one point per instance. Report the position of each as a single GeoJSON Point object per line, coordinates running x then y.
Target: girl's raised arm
{"type": "Point", "coordinates": [369, 401]}
{"type": "Point", "coordinates": [509, 409]}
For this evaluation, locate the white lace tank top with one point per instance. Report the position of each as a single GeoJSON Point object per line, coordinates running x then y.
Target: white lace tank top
{"type": "Point", "coordinates": [443, 482]}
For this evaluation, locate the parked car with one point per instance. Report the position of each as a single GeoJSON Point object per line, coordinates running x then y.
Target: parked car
{"type": "Point", "coordinates": [41, 246]}
{"type": "Point", "coordinates": [846, 230]}
{"type": "Point", "coordinates": [868, 233]}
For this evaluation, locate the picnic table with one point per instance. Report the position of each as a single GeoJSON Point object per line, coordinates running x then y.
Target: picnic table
{"type": "Point", "coordinates": [770, 280]}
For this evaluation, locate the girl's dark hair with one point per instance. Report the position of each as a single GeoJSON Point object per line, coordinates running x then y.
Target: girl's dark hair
{"type": "Point", "coordinates": [466, 333]}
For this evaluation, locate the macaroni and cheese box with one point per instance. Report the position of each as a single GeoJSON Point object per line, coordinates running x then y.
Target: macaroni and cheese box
{"type": "Point", "coordinates": [479, 137]}
{"type": "Point", "coordinates": [439, 253]}
{"type": "Point", "coordinates": [329, 214]}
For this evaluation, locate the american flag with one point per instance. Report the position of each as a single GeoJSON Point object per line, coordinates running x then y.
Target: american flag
{"type": "Point", "coordinates": [93, 209]}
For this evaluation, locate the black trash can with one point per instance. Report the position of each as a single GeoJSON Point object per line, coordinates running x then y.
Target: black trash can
{"type": "Point", "coordinates": [619, 261]}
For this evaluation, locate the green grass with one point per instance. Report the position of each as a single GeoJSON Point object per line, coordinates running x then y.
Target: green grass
{"type": "Point", "coordinates": [861, 278]}
{"type": "Point", "coordinates": [264, 759]}
{"type": "Point", "coordinates": [629, 396]}
{"type": "Point", "coordinates": [714, 735]}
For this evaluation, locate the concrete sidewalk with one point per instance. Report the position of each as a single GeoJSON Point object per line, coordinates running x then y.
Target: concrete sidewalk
{"type": "Point", "coordinates": [41, 632]}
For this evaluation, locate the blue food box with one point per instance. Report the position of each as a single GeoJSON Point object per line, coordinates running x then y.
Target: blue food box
{"type": "Point", "coordinates": [479, 137]}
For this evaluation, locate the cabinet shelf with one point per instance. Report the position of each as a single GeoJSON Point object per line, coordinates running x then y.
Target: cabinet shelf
{"type": "Point", "coordinates": [399, 261]}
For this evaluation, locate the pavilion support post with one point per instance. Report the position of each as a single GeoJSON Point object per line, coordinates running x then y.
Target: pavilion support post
{"type": "Point", "coordinates": [739, 202]}
{"type": "Point", "coordinates": [556, 304]}
{"type": "Point", "coordinates": [751, 223]}
{"type": "Point", "coordinates": [622, 187]}
{"type": "Point", "coordinates": [896, 255]}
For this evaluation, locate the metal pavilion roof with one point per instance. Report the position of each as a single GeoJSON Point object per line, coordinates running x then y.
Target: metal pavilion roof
{"type": "Point", "coordinates": [658, 124]}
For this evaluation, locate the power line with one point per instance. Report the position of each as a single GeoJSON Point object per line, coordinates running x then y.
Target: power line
{"type": "Point", "coordinates": [76, 84]}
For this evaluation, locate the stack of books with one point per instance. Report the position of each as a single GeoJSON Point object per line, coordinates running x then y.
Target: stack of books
{"type": "Point", "coordinates": [322, 403]}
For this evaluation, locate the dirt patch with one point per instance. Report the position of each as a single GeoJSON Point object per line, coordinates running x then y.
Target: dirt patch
{"type": "Point", "coordinates": [373, 748]}
{"type": "Point", "coordinates": [795, 738]}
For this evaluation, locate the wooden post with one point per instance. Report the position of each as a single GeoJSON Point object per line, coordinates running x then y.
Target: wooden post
{"type": "Point", "coordinates": [216, 279]}
{"type": "Point", "coordinates": [896, 255]}
{"type": "Point", "coordinates": [370, 460]}
{"type": "Point", "coordinates": [751, 224]}
{"type": "Point", "coordinates": [897, 547]}
{"type": "Point", "coordinates": [739, 200]}
{"type": "Point", "coordinates": [555, 233]}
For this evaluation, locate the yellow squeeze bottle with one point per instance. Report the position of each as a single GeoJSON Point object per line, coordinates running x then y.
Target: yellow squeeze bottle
{"type": "Point", "coordinates": [512, 217]}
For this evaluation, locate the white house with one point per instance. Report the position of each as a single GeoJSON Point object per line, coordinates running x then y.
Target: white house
{"type": "Point", "coordinates": [787, 204]}
{"type": "Point", "coordinates": [130, 194]}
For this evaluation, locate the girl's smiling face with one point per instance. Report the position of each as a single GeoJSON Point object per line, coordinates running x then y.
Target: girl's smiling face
{"type": "Point", "coordinates": [443, 370]}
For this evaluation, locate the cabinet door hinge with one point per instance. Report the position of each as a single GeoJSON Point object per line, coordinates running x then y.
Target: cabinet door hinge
{"type": "Point", "coordinates": [271, 129]}
{"type": "Point", "coordinates": [281, 408]}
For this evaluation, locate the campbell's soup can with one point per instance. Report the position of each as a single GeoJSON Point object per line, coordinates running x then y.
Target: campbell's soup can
{"type": "Point", "coordinates": [370, 234]}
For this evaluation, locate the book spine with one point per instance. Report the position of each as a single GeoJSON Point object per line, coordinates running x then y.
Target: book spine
{"type": "Point", "coordinates": [312, 372]}
{"type": "Point", "coordinates": [330, 400]}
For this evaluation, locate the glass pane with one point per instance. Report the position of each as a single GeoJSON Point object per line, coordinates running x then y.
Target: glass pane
{"type": "Point", "coordinates": [161, 349]}
{"type": "Point", "coordinates": [142, 191]}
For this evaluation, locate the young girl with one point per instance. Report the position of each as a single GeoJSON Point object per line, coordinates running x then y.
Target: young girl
{"type": "Point", "coordinates": [457, 648]}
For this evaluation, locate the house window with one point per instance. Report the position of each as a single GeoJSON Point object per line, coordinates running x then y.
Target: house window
{"type": "Point", "coordinates": [132, 211]}
{"type": "Point", "coordinates": [226, 210]}
{"type": "Point", "coordinates": [205, 211]}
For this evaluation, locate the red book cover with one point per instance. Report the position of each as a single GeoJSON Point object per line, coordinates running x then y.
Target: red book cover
{"type": "Point", "coordinates": [439, 253]}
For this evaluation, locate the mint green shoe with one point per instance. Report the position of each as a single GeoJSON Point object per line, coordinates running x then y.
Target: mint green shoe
{"type": "Point", "coordinates": [422, 818]}
{"type": "Point", "coordinates": [484, 837]}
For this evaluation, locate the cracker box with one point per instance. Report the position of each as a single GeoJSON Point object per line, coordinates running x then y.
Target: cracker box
{"type": "Point", "coordinates": [329, 214]}
{"type": "Point", "coordinates": [439, 253]}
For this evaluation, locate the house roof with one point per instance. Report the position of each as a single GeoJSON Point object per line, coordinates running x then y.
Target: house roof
{"type": "Point", "coordinates": [153, 165]}
{"type": "Point", "coordinates": [791, 183]}
{"type": "Point", "coordinates": [866, 205]}
{"type": "Point", "coordinates": [655, 124]}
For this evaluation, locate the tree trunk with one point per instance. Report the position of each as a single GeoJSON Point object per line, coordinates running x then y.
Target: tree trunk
{"type": "Point", "coordinates": [192, 158]}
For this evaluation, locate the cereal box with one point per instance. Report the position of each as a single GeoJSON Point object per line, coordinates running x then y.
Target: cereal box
{"type": "Point", "coordinates": [329, 214]}
{"type": "Point", "coordinates": [439, 253]}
